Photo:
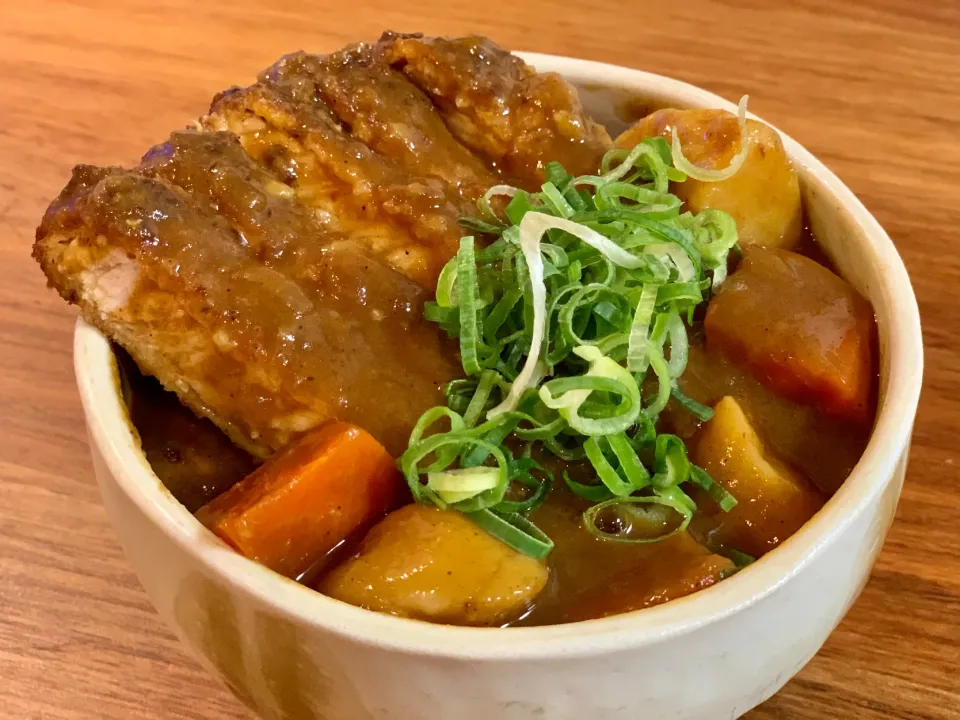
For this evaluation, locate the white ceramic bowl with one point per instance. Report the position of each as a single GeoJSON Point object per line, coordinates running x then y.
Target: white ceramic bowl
{"type": "Point", "coordinates": [289, 652]}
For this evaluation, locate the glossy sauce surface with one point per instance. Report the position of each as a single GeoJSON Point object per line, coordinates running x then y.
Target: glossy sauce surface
{"type": "Point", "coordinates": [296, 190]}
{"type": "Point", "coordinates": [589, 577]}
{"type": "Point", "coordinates": [593, 578]}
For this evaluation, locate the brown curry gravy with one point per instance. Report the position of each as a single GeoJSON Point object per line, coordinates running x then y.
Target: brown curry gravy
{"type": "Point", "coordinates": [589, 577]}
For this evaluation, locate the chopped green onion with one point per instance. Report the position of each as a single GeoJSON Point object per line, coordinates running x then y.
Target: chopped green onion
{"type": "Point", "coordinates": [556, 201]}
{"type": "Point", "coordinates": [478, 453]}
{"type": "Point", "coordinates": [455, 485]}
{"type": "Point", "coordinates": [593, 493]}
{"type": "Point", "coordinates": [563, 451]}
{"type": "Point", "coordinates": [715, 490]}
{"type": "Point", "coordinates": [644, 520]}
{"type": "Point", "coordinates": [701, 412]}
{"type": "Point", "coordinates": [630, 464]}
{"type": "Point", "coordinates": [484, 204]}
{"type": "Point", "coordinates": [515, 530]}
{"type": "Point", "coordinates": [522, 474]}
{"type": "Point", "coordinates": [530, 246]}
{"type": "Point", "coordinates": [487, 380]}
{"type": "Point", "coordinates": [715, 233]}
{"type": "Point", "coordinates": [556, 175]}
{"type": "Point", "coordinates": [500, 313]}
{"type": "Point", "coordinates": [603, 375]}
{"type": "Point", "coordinates": [660, 145]}
{"type": "Point", "coordinates": [637, 360]}
{"type": "Point", "coordinates": [719, 275]}
{"type": "Point", "coordinates": [481, 226]}
{"type": "Point", "coordinates": [646, 152]}
{"type": "Point", "coordinates": [409, 465]}
{"type": "Point", "coordinates": [430, 417]}
{"type": "Point", "coordinates": [670, 462]}
{"type": "Point", "coordinates": [662, 370]}
{"type": "Point", "coordinates": [676, 256]}
{"type": "Point", "coordinates": [538, 223]}
{"type": "Point", "coordinates": [467, 299]}
{"type": "Point", "coordinates": [605, 471]}
{"type": "Point", "coordinates": [518, 206]}
{"type": "Point", "coordinates": [446, 283]}
{"type": "Point", "coordinates": [579, 299]}
{"type": "Point", "coordinates": [446, 318]}
{"type": "Point", "coordinates": [740, 559]}
{"type": "Point", "coordinates": [705, 175]}
{"type": "Point", "coordinates": [675, 293]}
{"type": "Point", "coordinates": [679, 345]}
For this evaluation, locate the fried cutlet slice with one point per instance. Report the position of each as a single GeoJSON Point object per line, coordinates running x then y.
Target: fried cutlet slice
{"type": "Point", "coordinates": [384, 110]}
{"type": "Point", "coordinates": [218, 175]}
{"type": "Point", "coordinates": [262, 352]}
{"type": "Point", "coordinates": [409, 221]}
{"type": "Point", "coordinates": [271, 267]}
{"type": "Point", "coordinates": [499, 106]}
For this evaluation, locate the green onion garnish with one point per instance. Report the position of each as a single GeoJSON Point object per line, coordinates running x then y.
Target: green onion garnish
{"type": "Point", "coordinates": [515, 530]}
{"type": "Point", "coordinates": [572, 320]}
{"type": "Point", "coordinates": [636, 519]}
{"type": "Point", "coordinates": [699, 173]}
{"type": "Point", "coordinates": [717, 493]}
{"type": "Point", "coordinates": [740, 560]}
{"type": "Point", "coordinates": [455, 485]}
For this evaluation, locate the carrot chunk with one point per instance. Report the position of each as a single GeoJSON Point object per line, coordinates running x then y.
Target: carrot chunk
{"type": "Point", "coordinates": [307, 499]}
{"type": "Point", "coordinates": [801, 330]}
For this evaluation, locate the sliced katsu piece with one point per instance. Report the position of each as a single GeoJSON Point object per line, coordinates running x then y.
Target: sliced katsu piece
{"type": "Point", "coordinates": [332, 268]}
{"type": "Point", "coordinates": [387, 112]}
{"type": "Point", "coordinates": [499, 106]}
{"type": "Point", "coordinates": [217, 174]}
{"type": "Point", "coordinates": [410, 221]}
{"type": "Point", "coordinates": [243, 342]}
{"type": "Point", "coordinates": [271, 266]}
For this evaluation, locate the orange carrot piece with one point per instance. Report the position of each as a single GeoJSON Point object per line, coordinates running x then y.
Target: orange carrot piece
{"type": "Point", "coordinates": [803, 331]}
{"type": "Point", "coordinates": [308, 498]}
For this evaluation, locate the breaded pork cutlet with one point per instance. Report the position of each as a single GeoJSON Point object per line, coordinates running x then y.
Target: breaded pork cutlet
{"type": "Point", "coordinates": [498, 106]}
{"type": "Point", "coordinates": [408, 220]}
{"type": "Point", "coordinates": [270, 267]}
{"type": "Point", "coordinates": [385, 111]}
{"type": "Point", "coordinates": [266, 336]}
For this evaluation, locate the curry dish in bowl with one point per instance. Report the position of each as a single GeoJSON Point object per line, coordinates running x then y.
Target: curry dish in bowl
{"type": "Point", "coordinates": [405, 324]}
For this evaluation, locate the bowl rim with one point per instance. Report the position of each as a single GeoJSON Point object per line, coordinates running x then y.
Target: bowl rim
{"type": "Point", "coordinates": [111, 434]}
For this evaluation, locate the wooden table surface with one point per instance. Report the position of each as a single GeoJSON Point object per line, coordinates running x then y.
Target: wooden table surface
{"type": "Point", "coordinates": [872, 88]}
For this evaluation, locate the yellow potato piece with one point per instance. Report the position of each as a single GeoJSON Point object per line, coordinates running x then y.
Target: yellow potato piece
{"type": "Point", "coordinates": [763, 197]}
{"type": "Point", "coordinates": [436, 565]}
{"type": "Point", "coordinates": [773, 500]}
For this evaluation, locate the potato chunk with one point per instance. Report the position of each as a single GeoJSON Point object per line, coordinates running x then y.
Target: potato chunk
{"type": "Point", "coordinates": [801, 330]}
{"type": "Point", "coordinates": [763, 197]}
{"type": "Point", "coordinates": [436, 565]}
{"type": "Point", "coordinates": [773, 501]}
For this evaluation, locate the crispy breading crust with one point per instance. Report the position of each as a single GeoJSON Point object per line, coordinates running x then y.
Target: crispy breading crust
{"type": "Point", "coordinates": [270, 267]}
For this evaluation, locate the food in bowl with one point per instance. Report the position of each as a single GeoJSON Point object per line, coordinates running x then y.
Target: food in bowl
{"type": "Point", "coordinates": [495, 368]}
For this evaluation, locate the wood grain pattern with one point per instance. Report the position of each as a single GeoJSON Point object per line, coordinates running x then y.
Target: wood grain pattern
{"type": "Point", "coordinates": [873, 88]}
